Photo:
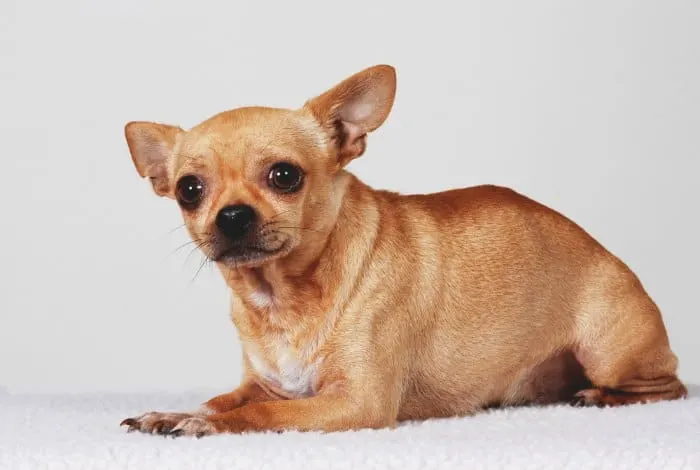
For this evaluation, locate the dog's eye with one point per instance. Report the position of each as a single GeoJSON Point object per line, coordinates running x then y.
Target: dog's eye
{"type": "Point", "coordinates": [285, 177]}
{"type": "Point", "coordinates": [189, 191]}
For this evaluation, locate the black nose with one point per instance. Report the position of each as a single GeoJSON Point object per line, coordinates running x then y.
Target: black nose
{"type": "Point", "coordinates": [235, 221]}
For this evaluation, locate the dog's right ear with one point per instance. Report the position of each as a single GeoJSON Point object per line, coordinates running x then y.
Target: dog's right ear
{"type": "Point", "coordinates": [151, 146]}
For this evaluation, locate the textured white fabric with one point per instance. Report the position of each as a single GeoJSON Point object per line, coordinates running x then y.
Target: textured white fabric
{"type": "Point", "coordinates": [82, 432]}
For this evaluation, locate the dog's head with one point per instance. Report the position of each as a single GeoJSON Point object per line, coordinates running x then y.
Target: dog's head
{"type": "Point", "coordinates": [252, 183]}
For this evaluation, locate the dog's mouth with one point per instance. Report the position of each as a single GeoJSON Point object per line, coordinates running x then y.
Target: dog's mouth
{"type": "Point", "coordinates": [250, 254]}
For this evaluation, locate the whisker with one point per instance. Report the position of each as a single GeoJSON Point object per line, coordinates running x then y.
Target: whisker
{"type": "Point", "coordinates": [272, 219]}
{"type": "Point", "coordinates": [199, 245]}
{"type": "Point", "coordinates": [299, 228]}
{"type": "Point", "coordinates": [178, 249]}
{"type": "Point", "coordinates": [176, 229]}
{"type": "Point", "coordinates": [273, 224]}
{"type": "Point", "coordinates": [204, 262]}
{"type": "Point", "coordinates": [183, 245]}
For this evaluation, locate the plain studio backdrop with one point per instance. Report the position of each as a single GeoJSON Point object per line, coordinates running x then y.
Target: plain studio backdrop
{"type": "Point", "coordinates": [591, 107]}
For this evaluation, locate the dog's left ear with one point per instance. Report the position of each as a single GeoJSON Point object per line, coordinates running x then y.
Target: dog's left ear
{"type": "Point", "coordinates": [354, 108]}
{"type": "Point", "coordinates": [151, 146]}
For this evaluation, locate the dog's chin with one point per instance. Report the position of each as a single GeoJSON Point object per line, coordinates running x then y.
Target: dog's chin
{"type": "Point", "coordinates": [250, 256]}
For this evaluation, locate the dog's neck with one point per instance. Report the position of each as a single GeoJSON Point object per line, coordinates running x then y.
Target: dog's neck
{"type": "Point", "coordinates": [293, 292]}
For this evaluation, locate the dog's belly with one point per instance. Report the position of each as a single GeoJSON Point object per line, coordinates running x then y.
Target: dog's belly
{"type": "Point", "coordinates": [556, 379]}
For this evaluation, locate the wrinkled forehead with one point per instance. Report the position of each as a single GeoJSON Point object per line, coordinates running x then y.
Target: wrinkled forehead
{"type": "Point", "coordinates": [234, 137]}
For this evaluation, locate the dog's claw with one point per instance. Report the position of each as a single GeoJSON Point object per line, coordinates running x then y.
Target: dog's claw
{"type": "Point", "coordinates": [577, 402]}
{"type": "Point", "coordinates": [133, 424]}
{"type": "Point", "coordinates": [163, 428]}
{"type": "Point", "coordinates": [174, 433]}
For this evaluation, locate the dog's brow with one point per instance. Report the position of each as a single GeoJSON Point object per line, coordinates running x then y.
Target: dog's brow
{"type": "Point", "coordinates": [194, 163]}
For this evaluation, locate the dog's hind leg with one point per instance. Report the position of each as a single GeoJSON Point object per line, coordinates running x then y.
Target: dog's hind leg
{"type": "Point", "coordinates": [623, 347]}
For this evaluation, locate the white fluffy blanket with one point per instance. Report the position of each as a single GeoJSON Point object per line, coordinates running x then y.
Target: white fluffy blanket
{"type": "Point", "coordinates": [82, 432]}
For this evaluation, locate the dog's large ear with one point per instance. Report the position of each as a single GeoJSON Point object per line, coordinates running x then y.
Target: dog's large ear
{"type": "Point", "coordinates": [151, 146]}
{"type": "Point", "coordinates": [354, 108]}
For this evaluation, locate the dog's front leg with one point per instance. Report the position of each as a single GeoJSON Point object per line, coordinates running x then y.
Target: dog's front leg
{"type": "Point", "coordinates": [158, 422]}
{"type": "Point", "coordinates": [248, 392]}
{"type": "Point", "coordinates": [326, 413]}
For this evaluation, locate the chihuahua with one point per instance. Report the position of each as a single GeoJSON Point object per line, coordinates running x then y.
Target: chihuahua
{"type": "Point", "coordinates": [359, 308]}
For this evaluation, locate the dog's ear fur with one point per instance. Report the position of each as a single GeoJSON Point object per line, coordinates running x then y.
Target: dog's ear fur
{"type": "Point", "coordinates": [151, 146]}
{"type": "Point", "coordinates": [354, 108]}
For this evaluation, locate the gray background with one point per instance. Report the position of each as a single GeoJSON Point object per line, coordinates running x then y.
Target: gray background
{"type": "Point", "coordinates": [591, 107]}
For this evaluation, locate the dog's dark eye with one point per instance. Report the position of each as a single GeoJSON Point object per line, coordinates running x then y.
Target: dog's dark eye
{"type": "Point", "coordinates": [285, 177]}
{"type": "Point", "coordinates": [189, 191]}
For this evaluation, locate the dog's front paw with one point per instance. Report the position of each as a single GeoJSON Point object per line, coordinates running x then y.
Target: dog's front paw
{"type": "Point", "coordinates": [154, 422]}
{"type": "Point", "coordinates": [194, 426]}
{"type": "Point", "coordinates": [589, 397]}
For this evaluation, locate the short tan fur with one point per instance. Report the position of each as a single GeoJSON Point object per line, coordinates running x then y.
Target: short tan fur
{"type": "Point", "coordinates": [360, 308]}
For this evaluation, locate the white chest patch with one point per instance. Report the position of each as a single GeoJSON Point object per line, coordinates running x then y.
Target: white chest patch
{"type": "Point", "coordinates": [261, 299]}
{"type": "Point", "coordinates": [285, 369]}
